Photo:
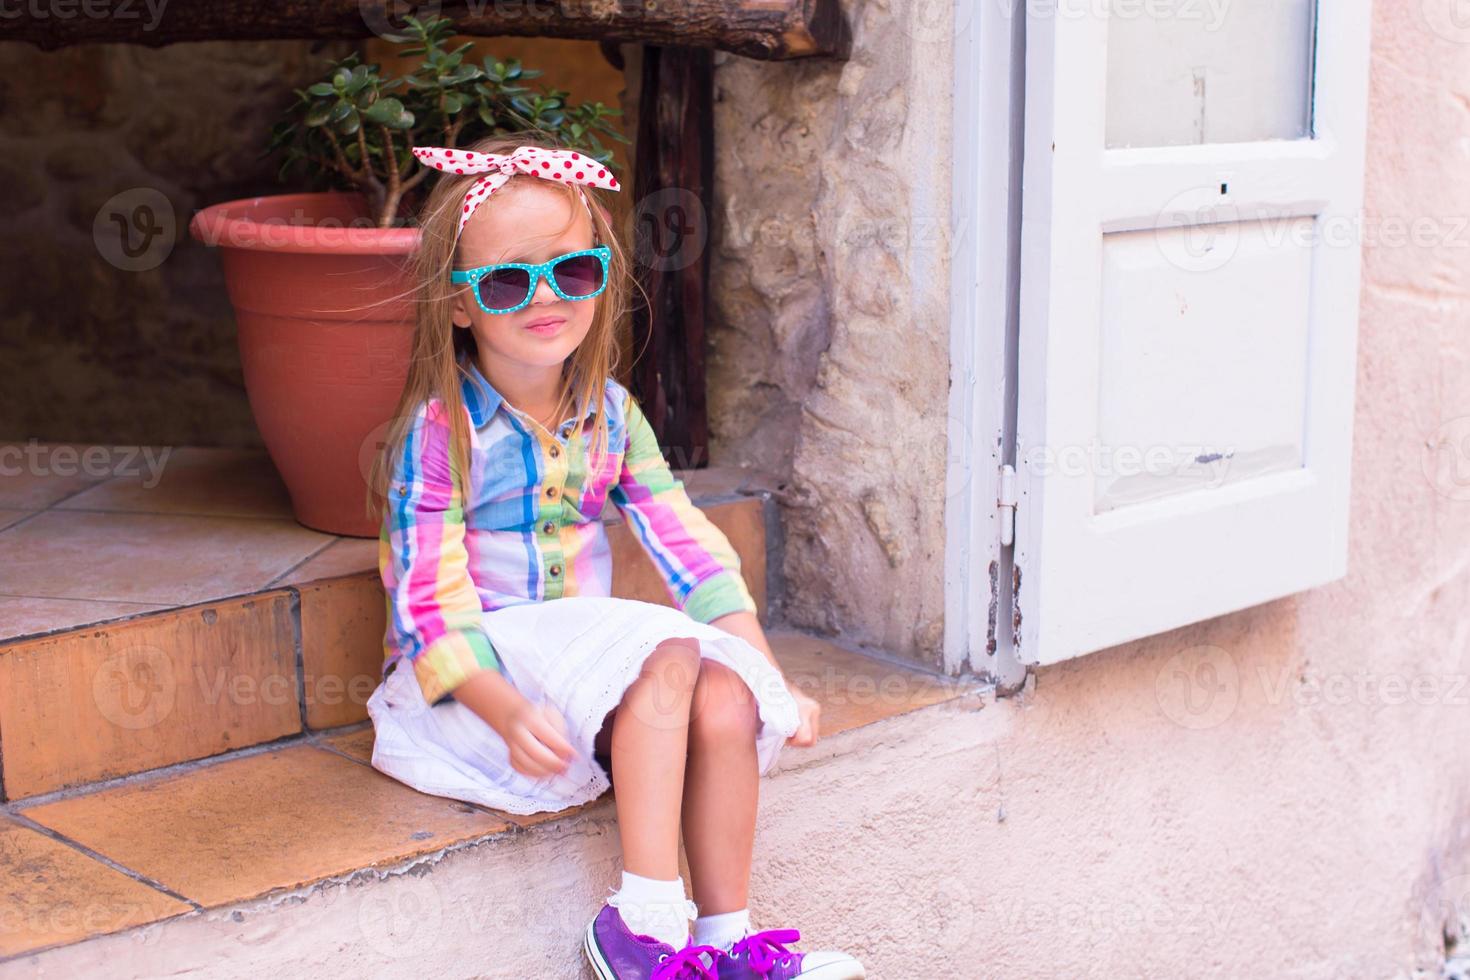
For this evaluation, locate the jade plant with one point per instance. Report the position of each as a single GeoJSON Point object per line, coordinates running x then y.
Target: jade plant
{"type": "Point", "coordinates": [357, 128]}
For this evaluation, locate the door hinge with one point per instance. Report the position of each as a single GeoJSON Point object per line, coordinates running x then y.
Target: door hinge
{"type": "Point", "coordinates": [1006, 505]}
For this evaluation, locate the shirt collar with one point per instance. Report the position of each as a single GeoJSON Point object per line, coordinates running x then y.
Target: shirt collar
{"type": "Point", "coordinates": [480, 396]}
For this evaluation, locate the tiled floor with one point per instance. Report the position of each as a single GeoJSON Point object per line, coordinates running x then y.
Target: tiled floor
{"type": "Point", "coordinates": [208, 834]}
{"type": "Point", "coordinates": [174, 526]}
{"type": "Point", "coordinates": [55, 893]}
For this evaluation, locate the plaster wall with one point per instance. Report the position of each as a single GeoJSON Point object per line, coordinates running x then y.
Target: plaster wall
{"type": "Point", "coordinates": [1284, 791]}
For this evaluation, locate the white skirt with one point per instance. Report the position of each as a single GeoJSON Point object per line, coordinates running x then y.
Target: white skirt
{"type": "Point", "coordinates": [580, 654]}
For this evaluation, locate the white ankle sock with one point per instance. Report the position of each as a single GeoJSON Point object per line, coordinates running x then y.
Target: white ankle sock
{"type": "Point", "coordinates": [722, 929]}
{"type": "Point", "coordinates": [654, 908]}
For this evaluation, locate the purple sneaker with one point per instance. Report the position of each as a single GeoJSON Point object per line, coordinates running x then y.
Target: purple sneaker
{"type": "Point", "coordinates": [618, 953]}
{"type": "Point", "coordinates": [761, 956]}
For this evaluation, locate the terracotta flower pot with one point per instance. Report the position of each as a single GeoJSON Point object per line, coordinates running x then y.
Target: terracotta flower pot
{"type": "Point", "coordinates": [322, 301]}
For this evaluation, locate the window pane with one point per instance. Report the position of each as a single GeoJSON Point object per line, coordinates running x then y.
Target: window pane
{"type": "Point", "coordinates": [1182, 72]}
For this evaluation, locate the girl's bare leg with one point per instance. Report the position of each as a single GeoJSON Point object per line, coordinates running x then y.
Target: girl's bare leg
{"type": "Point", "coordinates": [720, 789]}
{"type": "Point", "coordinates": [650, 741]}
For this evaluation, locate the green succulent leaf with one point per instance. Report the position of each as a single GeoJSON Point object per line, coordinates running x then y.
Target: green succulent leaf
{"type": "Point", "coordinates": [383, 110]}
{"type": "Point", "coordinates": [350, 128]}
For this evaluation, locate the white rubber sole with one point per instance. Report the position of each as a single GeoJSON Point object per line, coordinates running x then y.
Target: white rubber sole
{"type": "Point", "coordinates": [850, 970]}
{"type": "Point", "coordinates": [594, 955]}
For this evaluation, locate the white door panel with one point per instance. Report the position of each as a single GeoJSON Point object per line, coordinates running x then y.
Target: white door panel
{"type": "Point", "coordinates": [1188, 322]}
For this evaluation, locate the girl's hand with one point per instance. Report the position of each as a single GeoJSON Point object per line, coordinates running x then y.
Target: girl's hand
{"type": "Point", "coordinates": [535, 735]}
{"type": "Point", "coordinates": [745, 625]}
{"type": "Point", "coordinates": [810, 711]}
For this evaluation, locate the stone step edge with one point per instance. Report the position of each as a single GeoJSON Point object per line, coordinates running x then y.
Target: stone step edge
{"type": "Point", "coordinates": [610, 517]}
{"type": "Point", "coordinates": [296, 645]}
{"type": "Point", "coordinates": [972, 695]}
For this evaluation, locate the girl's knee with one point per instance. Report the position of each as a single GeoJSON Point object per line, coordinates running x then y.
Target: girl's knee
{"type": "Point", "coordinates": [663, 693]}
{"type": "Point", "coordinates": [674, 662]}
{"type": "Point", "coordinates": [723, 708]}
{"type": "Point", "coordinates": [685, 645]}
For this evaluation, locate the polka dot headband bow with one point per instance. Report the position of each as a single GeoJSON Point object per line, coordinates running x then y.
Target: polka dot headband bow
{"type": "Point", "coordinates": [567, 166]}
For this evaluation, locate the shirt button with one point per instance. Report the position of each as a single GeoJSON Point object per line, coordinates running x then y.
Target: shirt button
{"type": "Point", "coordinates": [555, 570]}
{"type": "Point", "coordinates": [555, 452]}
{"type": "Point", "coordinates": [551, 491]}
{"type": "Point", "coordinates": [549, 526]}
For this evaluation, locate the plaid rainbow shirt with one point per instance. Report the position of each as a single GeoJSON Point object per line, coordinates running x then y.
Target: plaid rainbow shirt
{"type": "Point", "coordinates": [531, 528]}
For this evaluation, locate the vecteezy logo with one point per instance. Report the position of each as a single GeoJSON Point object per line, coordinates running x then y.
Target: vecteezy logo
{"type": "Point", "coordinates": [386, 18]}
{"type": "Point", "coordinates": [1447, 458]}
{"type": "Point", "coordinates": [936, 21]}
{"type": "Point", "coordinates": [1450, 19]}
{"type": "Point", "coordinates": [1198, 687]}
{"type": "Point", "coordinates": [670, 229]}
{"type": "Point", "coordinates": [135, 230]}
{"type": "Point", "coordinates": [1197, 231]}
{"type": "Point", "coordinates": [401, 918]}
{"type": "Point", "coordinates": [955, 911]}
{"type": "Point", "coordinates": [135, 688]}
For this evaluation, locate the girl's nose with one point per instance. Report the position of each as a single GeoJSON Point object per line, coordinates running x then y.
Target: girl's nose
{"type": "Point", "coordinates": [544, 293]}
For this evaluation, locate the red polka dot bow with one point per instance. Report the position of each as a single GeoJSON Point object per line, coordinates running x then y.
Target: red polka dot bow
{"type": "Point", "coordinates": [568, 166]}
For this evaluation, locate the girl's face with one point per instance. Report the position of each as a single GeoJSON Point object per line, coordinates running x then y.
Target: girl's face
{"type": "Point", "coordinates": [521, 222]}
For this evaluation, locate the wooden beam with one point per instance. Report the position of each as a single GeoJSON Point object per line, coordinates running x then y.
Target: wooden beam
{"type": "Point", "coordinates": [770, 30]}
{"type": "Point", "coordinates": [673, 192]}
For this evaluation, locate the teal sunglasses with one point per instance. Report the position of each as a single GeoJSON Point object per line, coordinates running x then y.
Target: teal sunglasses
{"type": "Point", "coordinates": [509, 286]}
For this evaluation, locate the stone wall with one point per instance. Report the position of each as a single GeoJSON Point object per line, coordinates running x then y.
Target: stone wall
{"type": "Point", "coordinates": [830, 361]}
{"type": "Point", "coordinates": [102, 345]}
{"type": "Point", "coordinates": [112, 345]}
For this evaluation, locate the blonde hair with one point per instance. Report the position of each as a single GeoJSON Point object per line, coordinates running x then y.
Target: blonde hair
{"type": "Point", "coordinates": [434, 370]}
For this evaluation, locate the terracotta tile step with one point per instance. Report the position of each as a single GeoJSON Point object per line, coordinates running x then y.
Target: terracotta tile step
{"type": "Point", "coordinates": [216, 622]}
{"type": "Point", "coordinates": [208, 835]}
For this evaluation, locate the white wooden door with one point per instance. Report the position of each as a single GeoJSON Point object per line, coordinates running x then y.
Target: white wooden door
{"type": "Point", "coordinates": [1188, 312]}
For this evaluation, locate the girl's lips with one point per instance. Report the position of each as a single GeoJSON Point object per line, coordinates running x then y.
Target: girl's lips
{"type": "Point", "coordinates": [547, 324]}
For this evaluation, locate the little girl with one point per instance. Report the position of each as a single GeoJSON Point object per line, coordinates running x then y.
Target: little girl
{"type": "Point", "coordinates": [512, 678]}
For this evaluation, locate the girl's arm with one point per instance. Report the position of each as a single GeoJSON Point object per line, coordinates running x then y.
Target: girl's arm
{"type": "Point", "coordinates": [699, 566]}
{"type": "Point", "coordinates": [434, 610]}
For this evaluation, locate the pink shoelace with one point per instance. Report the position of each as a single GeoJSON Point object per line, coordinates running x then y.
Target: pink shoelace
{"type": "Point", "coordinates": [764, 948]}
{"type": "Point", "coordinates": [685, 964]}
